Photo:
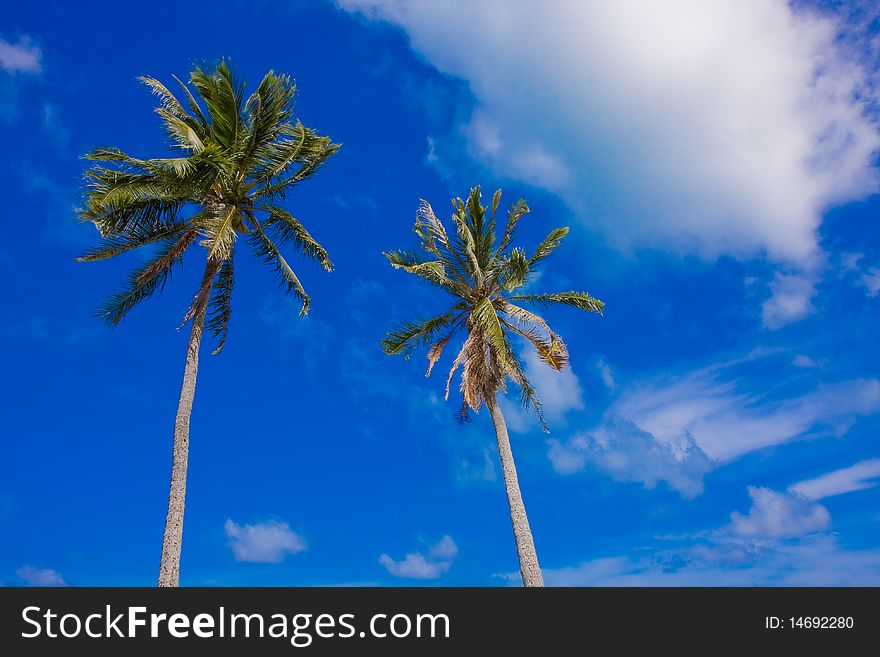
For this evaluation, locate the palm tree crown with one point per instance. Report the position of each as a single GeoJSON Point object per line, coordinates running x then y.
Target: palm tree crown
{"type": "Point", "coordinates": [483, 273]}
{"type": "Point", "coordinates": [238, 158]}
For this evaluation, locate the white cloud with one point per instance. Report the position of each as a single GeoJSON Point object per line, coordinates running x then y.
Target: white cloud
{"type": "Point", "coordinates": [444, 549]}
{"type": "Point", "coordinates": [472, 467]}
{"type": "Point", "coordinates": [802, 360]}
{"type": "Point", "coordinates": [264, 542]}
{"type": "Point", "coordinates": [779, 515]}
{"type": "Point", "coordinates": [707, 127]}
{"type": "Point", "coordinates": [871, 281]}
{"type": "Point", "coordinates": [40, 576]}
{"type": "Point", "coordinates": [790, 299]}
{"type": "Point", "coordinates": [20, 57]}
{"type": "Point", "coordinates": [726, 423]}
{"type": "Point", "coordinates": [606, 373]}
{"type": "Point", "coordinates": [628, 454]}
{"type": "Point", "coordinates": [417, 565]}
{"type": "Point", "coordinates": [812, 561]}
{"type": "Point", "coordinates": [675, 429]}
{"type": "Point", "coordinates": [862, 475]}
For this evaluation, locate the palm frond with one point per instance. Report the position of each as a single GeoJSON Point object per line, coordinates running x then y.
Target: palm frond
{"type": "Point", "coordinates": [548, 245]}
{"type": "Point", "coordinates": [432, 271]}
{"type": "Point", "coordinates": [299, 146]}
{"type": "Point", "coordinates": [514, 214]}
{"type": "Point", "coordinates": [147, 280]}
{"type": "Point", "coordinates": [268, 109]}
{"type": "Point", "coordinates": [194, 106]}
{"type": "Point", "coordinates": [580, 300]}
{"type": "Point", "coordinates": [217, 224]}
{"type": "Point", "coordinates": [486, 318]}
{"type": "Point", "coordinates": [220, 307]}
{"type": "Point", "coordinates": [187, 133]}
{"type": "Point", "coordinates": [222, 97]}
{"type": "Point", "coordinates": [409, 335]}
{"type": "Point", "coordinates": [140, 235]}
{"type": "Point", "coordinates": [283, 228]}
{"type": "Point", "coordinates": [514, 270]}
{"type": "Point", "coordinates": [266, 251]}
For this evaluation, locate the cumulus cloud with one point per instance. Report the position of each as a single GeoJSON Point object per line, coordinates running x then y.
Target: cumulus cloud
{"type": "Point", "coordinates": [20, 57]}
{"type": "Point", "coordinates": [627, 454]}
{"type": "Point", "coordinates": [862, 475]}
{"type": "Point", "coordinates": [419, 565]}
{"type": "Point", "coordinates": [707, 127]}
{"type": "Point", "coordinates": [40, 576]}
{"type": "Point", "coordinates": [779, 515]}
{"type": "Point", "coordinates": [264, 542]}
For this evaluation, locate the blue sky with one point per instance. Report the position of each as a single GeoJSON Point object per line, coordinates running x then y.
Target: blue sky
{"type": "Point", "coordinates": [717, 165]}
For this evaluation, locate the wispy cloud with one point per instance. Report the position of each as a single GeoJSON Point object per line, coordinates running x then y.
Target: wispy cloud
{"type": "Point", "coordinates": [862, 475]}
{"type": "Point", "coordinates": [812, 561]}
{"type": "Point", "coordinates": [20, 57]}
{"type": "Point", "coordinates": [32, 576]}
{"type": "Point", "coordinates": [726, 421]}
{"type": "Point", "coordinates": [606, 373]}
{"type": "Point", "coordinates": [675, 429]}
{"type": "Point", "coordinates": [420, 565]}
{"type": "Point", "coordinates": [264, 542]}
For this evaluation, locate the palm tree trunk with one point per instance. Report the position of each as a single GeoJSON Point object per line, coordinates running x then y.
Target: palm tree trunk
{"type": "Point", "coordinates": [522, 533]}
{"type": "Point", "coordinates": [169, 566]}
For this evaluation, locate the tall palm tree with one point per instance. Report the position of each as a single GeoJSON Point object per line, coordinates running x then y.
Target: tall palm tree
{"type": "Point", "coordinates": [237, 157]}
{"type": "Point", "coordinates": [483, 275]}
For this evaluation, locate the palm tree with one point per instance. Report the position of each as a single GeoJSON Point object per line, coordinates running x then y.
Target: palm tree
{"type": "Point", "coordinates": [483, 275]}
{"type": "Point", "coordinates": [237, 158]}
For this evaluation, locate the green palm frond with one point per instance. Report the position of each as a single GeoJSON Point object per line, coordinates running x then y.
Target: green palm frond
{"type": "Point", "coordinates": [217, 224]}
{"type": "Point", "coordinates": [223, 98]}
{"type": "Point", "coordinates": [580, 300]}
{"type": "Point", "coordinates": [548, 245]}
{"type": "Point", "coordinates": [139, 236]}
{"type": "Point", "coordinates": [432, 271]}
{"type": "Point", "coordinates": [220, 307]}
{"type": "Point", "coordinates": [513, 271]}
{"type": "Point", "coordinates": [486, 318]}
{"type": "Point", "coordinates": [299, 147]}
{"type": "Point", "coordinates": [268, 109]}
{"type": "Point", "coordinates": [266, 251]}
{"type": "Point", "coordinates": [411, 335]}
{"type": "Point", "coordinates": [186, 132]}
{"type": "Point", "coordinates": [283, 228]}
{"type": "Point", "coordinates": [147, 280]}
{"type": "Point", "coordinates": [516, 212]}
{"type": "Point", "coordinates": [194, 107]}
